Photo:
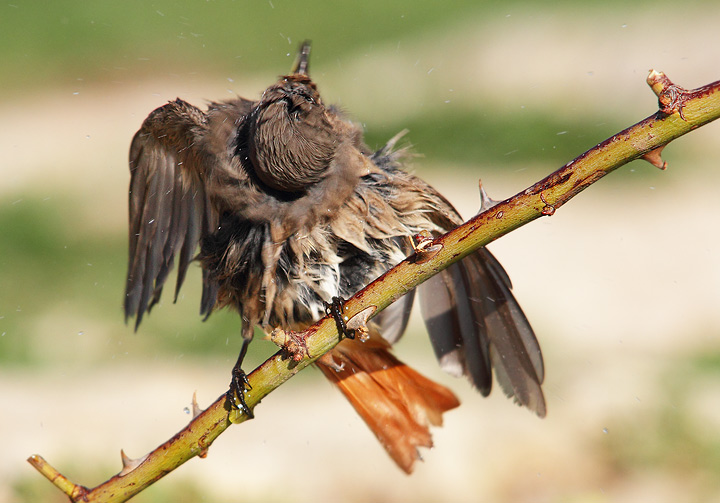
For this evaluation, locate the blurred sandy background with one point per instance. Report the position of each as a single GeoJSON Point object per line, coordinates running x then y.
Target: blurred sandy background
{"type": "Point", "coordinates": [622, 284]}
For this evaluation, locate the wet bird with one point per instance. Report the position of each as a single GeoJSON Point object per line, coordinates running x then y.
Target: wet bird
{"type": "Point", "coordinates": [291, 211]}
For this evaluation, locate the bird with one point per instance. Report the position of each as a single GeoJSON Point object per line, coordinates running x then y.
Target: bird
{"type": "Point", "coordinates": [288, 211]}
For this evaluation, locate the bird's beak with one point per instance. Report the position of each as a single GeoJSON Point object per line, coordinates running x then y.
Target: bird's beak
{"type": "Point", "coordinates": [302, 61]}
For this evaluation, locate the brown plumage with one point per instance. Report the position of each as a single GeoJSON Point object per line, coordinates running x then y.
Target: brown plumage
{"type": "Point", "coordinates": [290, 209]}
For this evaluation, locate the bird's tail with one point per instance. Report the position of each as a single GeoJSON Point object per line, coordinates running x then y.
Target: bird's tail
{"type": "Point", "coordinates": [396, 402]}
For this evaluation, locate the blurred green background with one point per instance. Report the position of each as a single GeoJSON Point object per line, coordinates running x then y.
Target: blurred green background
{"type": "Point", "coordinates": [622, 285]}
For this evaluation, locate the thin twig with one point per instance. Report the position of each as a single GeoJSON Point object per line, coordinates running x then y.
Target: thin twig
{"type": "Point", "coordinates": [680, 111]}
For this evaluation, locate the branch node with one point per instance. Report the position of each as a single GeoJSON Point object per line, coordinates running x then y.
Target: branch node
{"type": "Point", "coordinates": [425, 249]}
{"type": "Point", "coordinates": [671, 98]}
{"type": "Point", "coordinates": [203, 448]}
{"type": "Point", "coordinates": [658, 81]}
{"type": "Point", "coordinates": [548, 209]}
{"type": "Point", "coordinates": [292, 343]}
{"type": "Point", "coordinates": [74, 491]}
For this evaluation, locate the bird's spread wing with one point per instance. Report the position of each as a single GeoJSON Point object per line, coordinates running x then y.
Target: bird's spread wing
{"type": "Point", "coordinates": [475, 323]}
{"type": "Point", "coordinates": [169, 207]}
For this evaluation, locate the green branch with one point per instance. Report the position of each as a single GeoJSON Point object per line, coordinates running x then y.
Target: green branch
{"type": "Point", "coordinates": [680, 112]}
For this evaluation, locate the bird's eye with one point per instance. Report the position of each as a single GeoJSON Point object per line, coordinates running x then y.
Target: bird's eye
{"type": "Point", "coordinates": [304, 94]}
{"type": "Point", "coordinates": [293, 110]}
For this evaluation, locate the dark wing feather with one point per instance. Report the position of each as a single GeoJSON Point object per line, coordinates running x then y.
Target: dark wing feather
{"type": "Point", "coordinates": [514, 351]}
{"type": "Point", "coordinates": [437, 303]}
{"type": "Point", "coordinates": [476, 324]}
{"type": "Point", "coordinates": [169, 207]}
{"type": "Point", "coordinates": [393, 320]}
{"type": "Point", "coordinates": [514, 316]}
{"type": "Point", "coordinates": [456, 332]}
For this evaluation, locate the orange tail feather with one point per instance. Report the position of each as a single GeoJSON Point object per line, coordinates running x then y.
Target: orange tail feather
{"type": "Point", "coordinates": [396, 402]}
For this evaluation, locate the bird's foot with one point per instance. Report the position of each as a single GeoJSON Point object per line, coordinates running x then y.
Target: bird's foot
{"type": "Point", "coordinates": [336, 309]}
{"type": "Point", "coordinates": [239, 384]}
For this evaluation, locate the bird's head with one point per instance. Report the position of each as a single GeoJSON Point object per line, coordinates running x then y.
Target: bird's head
{"type": "Point", "coordinates": [292, 136]}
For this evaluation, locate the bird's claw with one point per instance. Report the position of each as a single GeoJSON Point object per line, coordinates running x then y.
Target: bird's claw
{"type": "Point", "coordinates": [335, 308]}
{"type": "Point", "coordinates": [239, 384]}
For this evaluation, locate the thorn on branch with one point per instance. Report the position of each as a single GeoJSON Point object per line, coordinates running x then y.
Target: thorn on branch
{"type": "Point", "coordinates": [328, 360]}
{"type": "Point", "coordinates": [129, 464]}
{"type": "Point", "coordinates": [196, 410]}
{"type": "Point", "coordinates": [485, 201]}
{"type": "Point", "coordinates": [654, 158]}
{"type": "Point", "coordinates": [358, 321]}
